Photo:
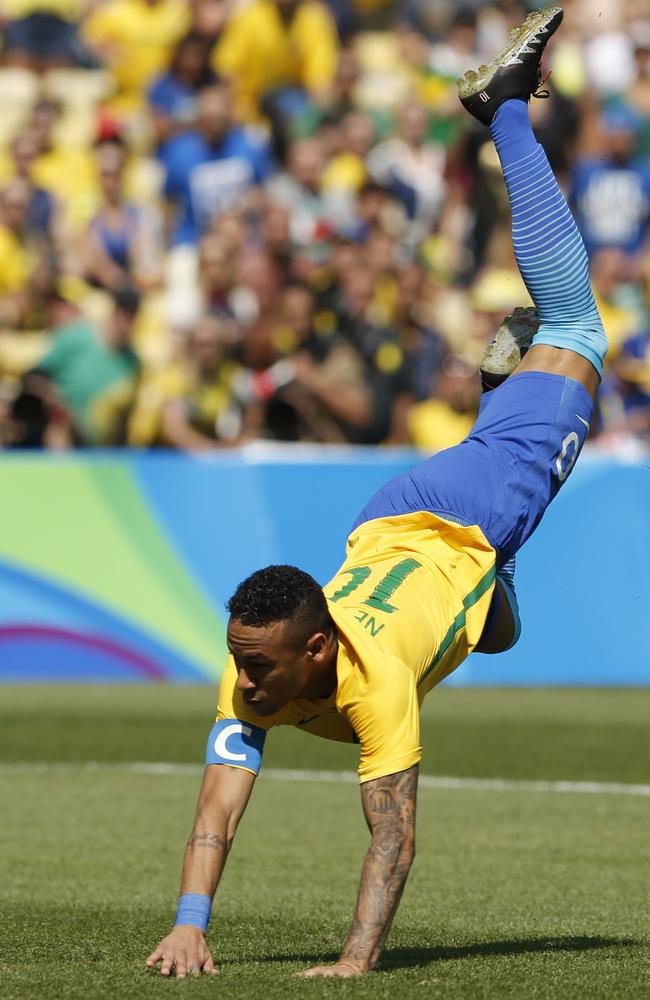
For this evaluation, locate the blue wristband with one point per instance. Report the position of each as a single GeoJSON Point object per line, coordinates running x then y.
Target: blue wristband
{"type": "Point", "coordinates": [194, 908]}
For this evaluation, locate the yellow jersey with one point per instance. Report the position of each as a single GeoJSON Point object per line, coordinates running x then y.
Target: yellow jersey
{"type": "Point", "coordinates": [409, 604]}
{"type": "Point", "coordinates": [435, 425]}
{"type": "Point", "coordinates": [139, 39]}
{"type": "Point", "coordinates": [16, 262]}
{"type": "Point", "coordinates": [259, 51]}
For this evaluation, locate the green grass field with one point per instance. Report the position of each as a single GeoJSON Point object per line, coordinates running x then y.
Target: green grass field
{"type": "Point", "coordinates": [516, 893]}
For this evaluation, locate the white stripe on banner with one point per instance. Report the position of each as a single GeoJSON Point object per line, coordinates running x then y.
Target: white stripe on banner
{"type": "Point", "coordinates": [163, 768]}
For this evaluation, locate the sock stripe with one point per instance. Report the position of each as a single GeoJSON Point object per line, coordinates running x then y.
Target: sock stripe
{"type": "Point", "coordinates": [548, 247]}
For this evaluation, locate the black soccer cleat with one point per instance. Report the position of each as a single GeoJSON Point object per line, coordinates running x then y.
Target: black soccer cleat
{"type": "Point", "coordinates": [508, 347]}
{"type": "Point", "coordinates": [516, 70]}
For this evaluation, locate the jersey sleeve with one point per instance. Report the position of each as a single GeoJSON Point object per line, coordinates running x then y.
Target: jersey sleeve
{"type": "Point", "coordinates": [237, 737]}
{"type": "Point", "coordinates": [385, 715]}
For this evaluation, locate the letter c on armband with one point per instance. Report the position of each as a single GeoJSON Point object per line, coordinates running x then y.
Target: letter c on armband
{"type": "Point", "coordinates": [221, 742]}
{"type": "Point", "coordinates": [237, 743]}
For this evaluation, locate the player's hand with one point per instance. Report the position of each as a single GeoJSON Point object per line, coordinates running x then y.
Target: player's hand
{"type": "Point", "coordinates": [185, 952]}
{"type": "Point", "coordinates": [343, 969]}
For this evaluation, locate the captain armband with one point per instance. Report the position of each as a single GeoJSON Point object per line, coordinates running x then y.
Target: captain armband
{"type": "Point", "coordinates": [239, 744]}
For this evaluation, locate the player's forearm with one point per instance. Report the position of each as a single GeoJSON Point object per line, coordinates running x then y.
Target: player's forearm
{"type": "Point", "coordinates": [204, 861]}
{"type": "Point", "coordinates": [383, 878]}
{"type": "Point", "coordinates": [224, 794]}
{"type": "Point", "coordinates": [389, 808]}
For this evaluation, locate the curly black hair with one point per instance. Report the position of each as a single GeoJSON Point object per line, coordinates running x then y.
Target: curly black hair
{"type": "Point", "coordinates": [282, 593]}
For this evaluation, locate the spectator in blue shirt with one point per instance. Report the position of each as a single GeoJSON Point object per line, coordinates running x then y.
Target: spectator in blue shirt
{"type": "Point", "coordinates": [174, 97]}
{"type": "Point", "coordinates": [611, 193]}
{"type": "Point", "coordinates": [209, 168]}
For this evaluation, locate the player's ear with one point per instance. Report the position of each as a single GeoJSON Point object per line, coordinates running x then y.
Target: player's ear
{"type": "Point", "coordinates": [316, 645]}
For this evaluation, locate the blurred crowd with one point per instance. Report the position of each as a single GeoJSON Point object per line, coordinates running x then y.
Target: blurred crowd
{"type": "Point", "coordinates": [233, 220]}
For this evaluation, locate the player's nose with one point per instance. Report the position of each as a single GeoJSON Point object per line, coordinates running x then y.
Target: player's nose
{"type": "Point", "coordinates": [244, 683]}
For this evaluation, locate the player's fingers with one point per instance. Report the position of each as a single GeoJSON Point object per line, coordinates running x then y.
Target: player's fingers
{"type": "Point", "coordinates": [155, 956]}
{"type": "Point", "coordinates": [166, 967]}
{"type": "Point", "coordinates": [181, 968]}
{"type": "Point", "coordinates": [318, 970]}
{"type": "Point", "coordinates": [209, 966]}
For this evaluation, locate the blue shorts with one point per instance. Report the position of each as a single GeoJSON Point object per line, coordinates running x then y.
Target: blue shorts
{"type": "Point", "coordinates": [502, 477]}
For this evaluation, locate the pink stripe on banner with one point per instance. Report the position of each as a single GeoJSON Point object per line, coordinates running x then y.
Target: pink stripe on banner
{"type": "Point", "coordinates": [142, 664]}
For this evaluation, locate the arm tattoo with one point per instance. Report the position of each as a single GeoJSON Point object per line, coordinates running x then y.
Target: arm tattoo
{"type": "Point", "coordinates": [389, 808]}
{"type": "Point", "coordinates": [212, 840]}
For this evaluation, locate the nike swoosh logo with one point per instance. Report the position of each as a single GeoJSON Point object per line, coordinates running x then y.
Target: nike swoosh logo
{"type": "Point", "coordinates": [583, 421]}
{"type": "Point", "coordinates": [310, 718]}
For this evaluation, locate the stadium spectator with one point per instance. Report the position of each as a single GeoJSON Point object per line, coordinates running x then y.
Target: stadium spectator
{"type": "Point", "coordinates": [422, 344]}
{"type": "Point", "coordinates": [631, 414]}
{"type": "Point", "coordinates": [298, 189]}
{"type": "Point", "coordinates": [365, 322]}
{"type": "Point", "coordinates": [209, 17]}
{"type": "Point", "coordinates": [174, 96]}
{"type": "Point", "coordinates": [258, 284]}
{"type": "Point", "coordinates": [638, 95]}
{"type": "Point", "coordinates": [611, 192]}
{"type": "Point", "coordinates": [135, 40]}
{"type": "Point", "coordinates": [94, 370]}
{"type": "Point", "coordinates": [610, 274]}
{"type": "Point", "coordinates": [413, 168]}
{"type": "Point", "coordinates": [216, 275]}
{"type": "Point", "coordinates": [18, 254]}
{"type": "Point", "coordinates": [191, 404]}
{"type": "Point", "coordinates": [284, 48]}
{"type": "Point", "coordinates": [66, 171]}
{"type": "Point", "coordinates": [120, 246]}
{"type": "Point", "coordinates": [383, 205]}
{"type": "Point", "coordinates": [342, 99]}
{"type": "Point", "coordinates": [346, 173]}
{"type": "Point", "coordinates": [275, 235]}
{"type": "Point", "coordinates": [447, 417]}
{"type": "Point", "coordinates": [41, 218]}
{"type": "Point", "coordinates": [326, 396]}
{"type": "Point", "coordinates": [210, 167]}
{"type": "Point", "coordinates": [35, 418]}
{"type": "Point", "coordinates": [41, 34]}
{"type": "Point", "coordinates": [458, 48]}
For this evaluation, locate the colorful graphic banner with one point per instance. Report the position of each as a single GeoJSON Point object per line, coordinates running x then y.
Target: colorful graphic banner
{"type": "Point", "coordinates": [117, 566]}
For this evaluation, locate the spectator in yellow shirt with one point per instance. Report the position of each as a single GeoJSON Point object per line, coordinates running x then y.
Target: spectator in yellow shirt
{"type": "Point", "coordinates": [191, 404]}
{"type": "Point", "coordinates": [17, 258]}
{"type": "Point", "coordinates": [274, 45]}
{"type": "Point", "coordinates": [447, 418]}
{"type": "Point", "coordinates": [135, 39]}
{"type": "Point", "coordinates": [66, 172]}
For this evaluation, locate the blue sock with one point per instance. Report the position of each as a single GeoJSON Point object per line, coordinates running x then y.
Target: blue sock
{"type": "Point", "coordinates": [548, 247]}
{"type": "Point", "coordinates": [512, 133]}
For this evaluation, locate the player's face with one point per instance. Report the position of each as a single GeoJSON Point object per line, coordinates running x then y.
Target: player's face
{"type": "Point", "coordinates": [271, 671]}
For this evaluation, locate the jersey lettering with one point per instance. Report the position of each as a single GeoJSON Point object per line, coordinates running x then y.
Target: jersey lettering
{"type": "Point", "coordinates": [384, 590]}
{"type": "Point", "coordinates": [564, 470]}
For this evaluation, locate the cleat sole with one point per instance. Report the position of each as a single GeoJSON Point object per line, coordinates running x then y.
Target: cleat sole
{"type": "Point", "coordinates": [511, 341]}
{"type": "Point", "coordinates": [472, 82]}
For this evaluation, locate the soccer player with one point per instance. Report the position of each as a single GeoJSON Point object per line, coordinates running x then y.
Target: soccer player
{"type": "Point", "coordinates": [423, 583]}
